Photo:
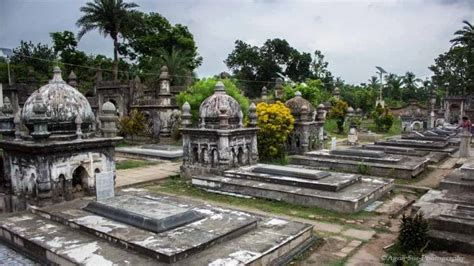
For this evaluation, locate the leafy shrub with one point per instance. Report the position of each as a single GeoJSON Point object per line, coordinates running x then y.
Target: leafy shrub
{"type": "Point", "coordinates": [204, 88]}
{"type": "Point", "coordinates": [276, 123]}
{"type": "Point", "coordinates": [338, 112]}
{"type": "Point", "coordinates": [383, 118]}
{"type": "Point", "coordinates": [413, 237]}
{"type": "Point", "coordinates": [132, 124]}
{"type": "Point", "coordinates": [363, 169]}
{"type": "Point", "coordinates": [311, 90]}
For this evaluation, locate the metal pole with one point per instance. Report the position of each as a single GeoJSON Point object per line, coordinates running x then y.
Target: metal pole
{"type": "Point", "coordinates": [381, 86]}
{"type": "Point", "coordinates": [8, 69]}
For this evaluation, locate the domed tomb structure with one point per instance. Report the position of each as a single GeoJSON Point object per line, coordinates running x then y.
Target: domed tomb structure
{"type": "Point", "coordinates": [220, 141]}
{"type": "Point", "coordinates": [308, 132]}
{"type": "Point", "coordinates": [60, 153]}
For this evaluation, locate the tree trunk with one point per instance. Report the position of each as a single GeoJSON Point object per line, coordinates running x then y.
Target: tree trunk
{"type": "Point", "coordinates": [116, 62]}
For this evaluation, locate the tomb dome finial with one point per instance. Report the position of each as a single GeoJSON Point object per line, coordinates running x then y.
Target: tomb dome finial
{"type": "Point", "coordinates": [296, 104]}
{"type": "Point", "coordinates": [210, 108]}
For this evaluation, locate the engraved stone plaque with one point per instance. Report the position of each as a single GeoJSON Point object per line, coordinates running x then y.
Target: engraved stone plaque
{"type": "Point", "coordinates": [104, 185]}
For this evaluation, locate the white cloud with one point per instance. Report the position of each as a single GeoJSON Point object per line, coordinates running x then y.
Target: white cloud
{"type": "Point", "coordinates": [354, 35]}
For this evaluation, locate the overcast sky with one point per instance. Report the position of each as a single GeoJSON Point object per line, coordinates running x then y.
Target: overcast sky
{"type": "Point", "coordinates": [354, 35]}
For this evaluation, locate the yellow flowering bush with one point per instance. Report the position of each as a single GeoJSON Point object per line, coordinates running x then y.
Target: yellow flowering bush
{"type": "Point", "coordinates": [276, 123]}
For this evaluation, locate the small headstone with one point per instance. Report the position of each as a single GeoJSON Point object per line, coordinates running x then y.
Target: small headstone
{"type": "Point", "coordinates": [333, 143]}
{"type": "Point", "coordinates": [104, 185]}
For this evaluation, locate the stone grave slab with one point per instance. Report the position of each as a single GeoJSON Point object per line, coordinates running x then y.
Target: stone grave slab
{"type": "Point", "coordinates": [223, 235]}
{"type": "Point", "coordinates": [340, 192]}
{"type": "Point", "coordinates": [332, 181]}
{"type": "Point", "coordinates": [359, 153]}
{"type": "Point", "coordinates": [151, 152]}
{"type": "Point", "coordinates": [289, 171]}
{"type": "Point", "coordinates": [144, 213]}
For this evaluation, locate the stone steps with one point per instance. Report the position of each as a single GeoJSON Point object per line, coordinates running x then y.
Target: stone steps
{"type": "Point", "coordinates": [349, 199]}
{"type": "Point", "coordinates": [220, 236]}
{"type": "Point", "coordinates": [451, 242]}
{"type": "Point", "coordinates": [329, 183]}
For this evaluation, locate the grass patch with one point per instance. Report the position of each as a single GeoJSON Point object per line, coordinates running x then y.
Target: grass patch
{"type": "Point", "coordinates": [128, 164]}
{"type": "Point", "coordinates": [177, 186]}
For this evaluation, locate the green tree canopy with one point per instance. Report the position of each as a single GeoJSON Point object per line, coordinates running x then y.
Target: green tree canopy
{"type": "Point", "coordinates": [258, 65]}
{"type": "Point", "coordinates": [111, 18]}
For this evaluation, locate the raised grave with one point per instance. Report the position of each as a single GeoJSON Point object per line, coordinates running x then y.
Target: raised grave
{"type": "Point", "coordinates": [340, 192]}
{"type": "Point", "coordinates": [432, 156]}
{"type": "Point", "coordinates": [426, 145]}
{"type": "Point", "coordinates": [67, 233]}
{"type": "Point", "coordinates": [155, 216]}
{"type": "Point", "coordinates": [152, 151]}
{"type": "Point", "coordinates": [363, 161]}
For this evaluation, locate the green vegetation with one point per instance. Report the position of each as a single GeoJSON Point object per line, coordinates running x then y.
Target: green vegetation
{"type": "Point", "coordinates": [133, 124]}
{"type": "Point", "coordinates": [338, 112]}
{"type": "Point", "coordinates": [276, 123]}
{"type": "Point", "coordinates": [383, 119]}
{"type": "Point", "coordinates": [128, 164]}
{"type": "Point", "coordinates": [204, 88]}
{"type": "Point", "coordinates": [363, 168]}
{"type": "Point", "coordinates": [411, 242]}
{"type": "Point", "coordinates": [177, 186]}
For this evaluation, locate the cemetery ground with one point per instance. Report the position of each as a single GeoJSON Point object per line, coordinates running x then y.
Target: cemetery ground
{"type": "Point", "coordinates": [344, 239]}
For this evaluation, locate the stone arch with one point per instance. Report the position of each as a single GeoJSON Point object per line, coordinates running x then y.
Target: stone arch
{"type": "Point", "coordinates": [97, 170]}
{"type": "Point", "coordinates": [79, 179]}
{"type": "Point", "coordinates": [297, 141]}
{"type": "Point", "coordinates": [417, 125]}
{"type": "Point", "coordinates": [61, 188]}
{"type": "Point", "coordinates": [249, 155]}
{"type": "Point", "coordinates": [204, 156]}
{"type": "Point", "coordinates": [31, 185]}
{"type": "Point", "coordinates": [195, 155]}
{"type": "Point", "coordinates": [240, 156]}
{"type": "Point", "coordinates": [234, 157]}
{"type": "Point", "coordinates": [214, 158]}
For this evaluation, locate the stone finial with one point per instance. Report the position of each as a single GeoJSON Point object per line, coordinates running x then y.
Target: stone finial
{"type": "Point", "coordinates": [320, 112]}
{"type": "Point", "coordinates": [350, 111]}
{"type": "Point", "coordinates": [186, 115]}
{"type": "Point", "coordinates": [164, 73]}
{"type": "Point", "coordinates": [278, 89]}
{"type": "Point", "coordinates": [98, 75]}
{"type": "Point", "coordinates": [108, 120]}
{"type": "Point", "coordinates": [72, 79]}
{"type": "Point", "coordinates": [252, 115]}
{"type": "Point", "coordinates": [241, 119]}
{"type": "Point", "coordinates": [137, 80]}
{"type": "Point", "coordinates": [78, 122]}
{"type": "Point", "coordinates": [298, 94]}
{"type": "Point", "coordinates": [17, 122]}
{"type": "Point", "coordinates": [57, 78]}
{"type": "Point", "coordinates": [264, 93]}
{"type": "Point", "coordinates": [219, 87]}
{"type": "Point", "coordinates": [223, 117]}
{"type": "Point", "coordinates": [7, 107]}
{"type": "Point", "coordinates": [40, 119]}
{"type": "Point", "coordinates": [224, 75]}
{"type": "Point", "coordinates": [31, 76]}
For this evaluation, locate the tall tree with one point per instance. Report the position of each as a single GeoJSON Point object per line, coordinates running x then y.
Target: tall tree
{"type": "Point", "coordinates": [156, 41]}
{"type": "Point", "coordinates": [37, 57]}
{"type": "Point", "coordinates": [410, 87]}
{"type": "Point", "coordinates": [394, 86]}
{"type": "Point", "coordinates": [111, 18]}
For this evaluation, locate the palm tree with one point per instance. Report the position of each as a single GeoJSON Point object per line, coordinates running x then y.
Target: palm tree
{"type": "Point", "coordinates": [394, 86]}
{"type": "Point", "coordinates": [465, 41]}
{"type": "Point", "coordinates": [109, 17]}
{"type": "Point", "coordinates": [465, 36]}
{"type": "Point", "coordinates": [373, 82]}
{"type": "Point", "coordinates": [410, 86]}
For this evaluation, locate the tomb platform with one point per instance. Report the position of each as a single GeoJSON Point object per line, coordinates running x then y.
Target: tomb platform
{"type": "Point", "coordinates": [151, 151]}
{"type": "Point", "coordinates": [426, 135]}
{"type": "Point", "coordinates": [141, 228]}
{"type": "Point", "coordinates": [460, 180]}
{"type": "Point", "coordinates": [363, 161]}
{"type": "Point", "coordinates": [433, 156]}
{"type": "Point", "coordinates": [424, 145]}
{"type": "Point", "coordinates": [341, 192]}
{"type": "Point", "coordinates": [451, 218]}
